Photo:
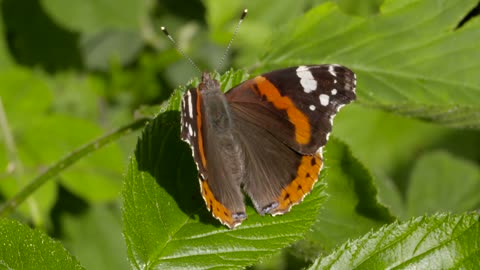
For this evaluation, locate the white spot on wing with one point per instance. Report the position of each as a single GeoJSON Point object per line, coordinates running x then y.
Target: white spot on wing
{"type": "Point", "coordinates": [320, 153]}
{"type": "Point", "coordinates": [331, 69]}
{"type": "Point", "coordinates": [334, 91]}
{"type": "Point", "coordinates": [324, 99]}
{"type": "Point", "coordinates": [307, 81]}
{"type": "Point", "coordinates": [340, 106]}
{"type": "Point", "coordinates": [190, 104]}
{"type": "Point", "coordinates": [190, 130]}
{"type": "Point", "coordinates": [354, 82]}
{"type": "Point", "coordinates": [312, 107]}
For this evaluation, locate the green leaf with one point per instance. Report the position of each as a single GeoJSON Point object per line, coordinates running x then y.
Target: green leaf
{"type": "Point", "coordinates": [387, 144]}
{"type": "Point", "coordinates": [352, 208]}
{"type": "Point", "coordinates": [94, 237]}
{"type": "Point", "coordinates": [24, 93]}
{"type": "Point", "coordinates": [433, 242]}
{"type": "Point", "coordinates": [103, 47]}
{"type": "Point", "coordinates": [410, 59]}
{"type": "Point", "coordinates": [360, 8]}
{"type": "Point", "coordinates": [34, 128]}
{"type": "Point", "coordinates": [94, 178]}
{"type": "Point", "coordinates": [24, 248]}
{"type": "Point", "coordinates": [90, 16]}
{"type": "Point", "coordinates": [443, 182]}
{"type": "Point", "coordinates": [167, 224]}
{"type": "Point", "coordinates": [222, 18]}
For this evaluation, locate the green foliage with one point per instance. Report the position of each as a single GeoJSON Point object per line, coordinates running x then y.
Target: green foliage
{"type": "Point", "coordinates": [24, 248]}
{"type": "Point", "coordinates": [433, 185]}
{"type": "Point", "coordinates": [410, 59]}
{"type": "Point", "coordinates": [419, 243]}
{"type": "Point", "coordinates": [406, 150]}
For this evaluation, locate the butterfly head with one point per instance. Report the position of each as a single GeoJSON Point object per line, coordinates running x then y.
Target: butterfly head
{"type": "Point", "coordinates": [208, 84]}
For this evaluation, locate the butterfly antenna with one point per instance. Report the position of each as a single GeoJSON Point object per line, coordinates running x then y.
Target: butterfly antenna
{"type": "Point", "coordinates": [164, 30]}
{"type": "Point", "coordinates": [244, 13]}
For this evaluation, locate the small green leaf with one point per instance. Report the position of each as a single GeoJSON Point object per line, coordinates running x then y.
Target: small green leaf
{"type": "Point", "coordinates": [24, 248]}
{"type": "Point", "coordinates": [411, 58]}
{"type": "Point", "coordinates": [167, 224]}
{"type": "Point", "coordinates": [433, 242]}
{"type": "Point", "coordinates": [442, 182]}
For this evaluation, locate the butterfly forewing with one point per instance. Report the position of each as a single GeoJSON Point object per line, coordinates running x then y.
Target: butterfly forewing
{"type": "Point", "coordinates": [297, 105]}
{"type": "Point", "coordinates": [191, 126]}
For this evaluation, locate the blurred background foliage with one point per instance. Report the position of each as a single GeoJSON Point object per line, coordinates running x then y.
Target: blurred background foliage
{"type": "Point", "coordinates": [72, 70]}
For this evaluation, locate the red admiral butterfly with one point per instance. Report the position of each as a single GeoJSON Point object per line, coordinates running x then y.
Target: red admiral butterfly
{"type": "Point", "coordinates": [264, 136]}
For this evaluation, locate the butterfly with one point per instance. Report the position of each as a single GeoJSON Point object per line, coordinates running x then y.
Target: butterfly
{"type": "Point", "coordinates": [264, 137]}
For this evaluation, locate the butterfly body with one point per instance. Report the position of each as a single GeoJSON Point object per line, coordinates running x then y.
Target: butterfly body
{"type": "Point", "coordinates": [263, 137]}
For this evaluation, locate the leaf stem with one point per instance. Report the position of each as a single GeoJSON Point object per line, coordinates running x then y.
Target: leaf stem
{"type": "Point", "coordinates": [66, 162]}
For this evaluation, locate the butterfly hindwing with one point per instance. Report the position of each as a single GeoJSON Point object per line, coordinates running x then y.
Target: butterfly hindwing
{"type": "Point", "coordinates": [276, 176]}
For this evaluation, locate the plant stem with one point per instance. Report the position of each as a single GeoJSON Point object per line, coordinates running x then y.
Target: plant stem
{"type": "Point", "coordinates": [66, 162]}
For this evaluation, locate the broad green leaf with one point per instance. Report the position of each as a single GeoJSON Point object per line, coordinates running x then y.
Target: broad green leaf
{"type": "Point", "coordinates": [351, 209]}
{"type": "Point", "coordinates": [104, 47]}
{"type": "Point", "coordinates": [167, 224]}
{"type": "Point", "coordinates": [24, 248]}
{"type": "Point", "coordinates": [443, 182]}
{"type": "Point", "coordinates": [91, 16]}
{"type": "Point", "coordinates": [433, 242]}
{"type": "Point", "coordinates": [411, 58]}
{"type": "Point", "coordinates": [94, 237]}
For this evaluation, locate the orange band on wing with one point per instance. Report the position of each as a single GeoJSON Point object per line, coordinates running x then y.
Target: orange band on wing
{"type": "Point", "coordinates": [219, 211]}
{"type": "Point", "coordinates": [307, 175]}
{"type": "Point", "coordinates": [200, 133]}
{"type": "Point", "coordinates": [296, 117]}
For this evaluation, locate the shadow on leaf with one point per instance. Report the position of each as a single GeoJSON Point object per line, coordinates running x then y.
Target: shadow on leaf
{"type": "Point", "coordinates": [162, 154]}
